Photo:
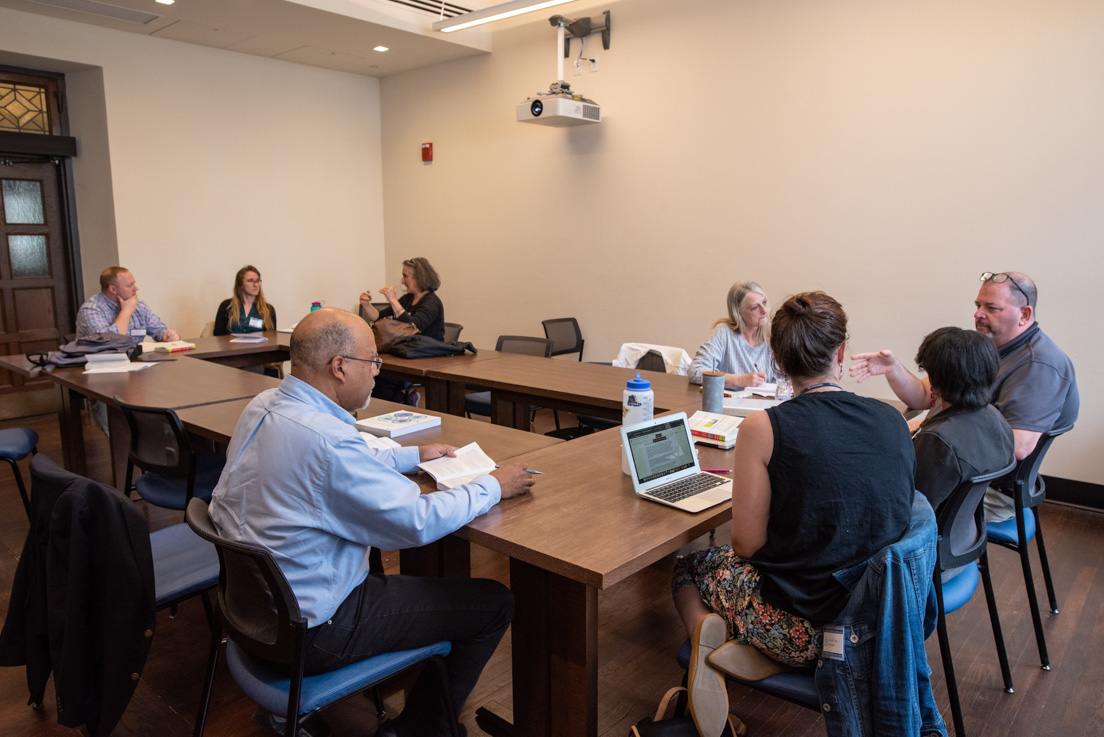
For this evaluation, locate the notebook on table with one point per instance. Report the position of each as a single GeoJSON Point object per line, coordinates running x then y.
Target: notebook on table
{"type": "Point", "coordinates": [664, 467]}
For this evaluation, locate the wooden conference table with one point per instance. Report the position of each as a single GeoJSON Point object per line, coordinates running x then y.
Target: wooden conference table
{"type": "Point", "coordinates": [582, 530]}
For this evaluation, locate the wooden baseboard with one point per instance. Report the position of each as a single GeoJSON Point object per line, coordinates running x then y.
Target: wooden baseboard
{"type": "Point", "coordinates": [29, 403]}
{"type": "Point", "coordinates": [1081, 493]}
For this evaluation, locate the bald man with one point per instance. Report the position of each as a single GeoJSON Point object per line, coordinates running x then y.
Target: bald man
{"type": "Point", "coordinates": [117, 309]}
{"type": "Point", "coordinates": [1036, 387]}
{"type": "Point", "coordinates": [301, 482]}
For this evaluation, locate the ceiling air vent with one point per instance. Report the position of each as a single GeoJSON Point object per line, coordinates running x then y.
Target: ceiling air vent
{"type": "Point", "coordinates": [439, 9]}
{"type": "Point", "coordinates": [104, 10]}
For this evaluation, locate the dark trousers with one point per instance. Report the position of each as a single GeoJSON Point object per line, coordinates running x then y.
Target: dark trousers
{"type": "Point", "coordinates": [389, 613]}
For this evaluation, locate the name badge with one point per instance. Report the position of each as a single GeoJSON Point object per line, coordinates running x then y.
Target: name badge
{"type": "Point", "coordinates": [138, 333]}
{"type": "Point", "coordinates": [256, 322]}
{"type": "Point", "coordinates": [833, 643]}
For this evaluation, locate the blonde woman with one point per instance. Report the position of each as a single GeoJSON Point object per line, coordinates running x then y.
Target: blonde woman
{"type": "Point", "coordinates": [739, 345]}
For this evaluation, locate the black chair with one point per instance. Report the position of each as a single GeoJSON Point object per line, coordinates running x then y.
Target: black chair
{"type": "Point", "coordinates": [16, 444]}
{"type": "Point", "coordinates": [1028, 492]}
{"type": "Point", "coordinates": [173, 471]}
{"type": "Point", "coordinates": [479, 403]}
{"type": "Point", "coordinates": [565, 335]}
{"type": "Point", "coordinates": [962, 544]}
{"type": "Point", "coordinates": [452, 331]}
{"type": "Point", "coordinates": [265, 649]}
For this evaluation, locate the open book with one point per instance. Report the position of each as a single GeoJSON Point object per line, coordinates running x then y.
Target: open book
{"type": "Point", "coordinates": [169, 346]}
{"type": "Point", "coordinates": [470, 461]}
{"type": "Point", "coordinates": [714, 429]}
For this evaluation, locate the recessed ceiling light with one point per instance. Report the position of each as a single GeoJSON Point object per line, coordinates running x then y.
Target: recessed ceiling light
{"type": "Point", "coordinates": [380, 48]}
{"type": "Point", "coordinates": [166, 2]}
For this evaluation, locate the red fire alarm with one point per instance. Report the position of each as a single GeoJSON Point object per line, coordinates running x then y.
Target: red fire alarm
{"type": "Point", "coordinates": [427, 152]}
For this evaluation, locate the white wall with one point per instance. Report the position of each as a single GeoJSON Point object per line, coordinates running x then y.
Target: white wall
{"type": "Point", "coordinates": [194, 161]}
{"type": "Point", "coordinates": [885, 151]}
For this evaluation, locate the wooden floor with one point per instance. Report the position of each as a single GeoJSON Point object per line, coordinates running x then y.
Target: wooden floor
{"type": "Point", "coordinates": [639, 636]}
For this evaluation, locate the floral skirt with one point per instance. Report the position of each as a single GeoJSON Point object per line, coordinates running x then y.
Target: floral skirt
{"type": "Point", "coordinates": [729, 585]}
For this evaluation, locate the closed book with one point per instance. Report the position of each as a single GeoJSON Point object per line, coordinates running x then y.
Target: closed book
{"type": "Point", "coordinates": [396, 424]}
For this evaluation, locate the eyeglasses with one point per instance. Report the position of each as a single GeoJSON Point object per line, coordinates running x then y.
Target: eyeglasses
{"type": "Point", "coordinates": [377, 362]}
{"type": "Point", "coordinates": [1001, 279]}
{"type": "Point", "coordinates": [252, 281]}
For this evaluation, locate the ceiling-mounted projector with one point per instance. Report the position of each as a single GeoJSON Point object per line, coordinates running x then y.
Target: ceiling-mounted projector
{"type": "Point", "coordinates": [559, 107]}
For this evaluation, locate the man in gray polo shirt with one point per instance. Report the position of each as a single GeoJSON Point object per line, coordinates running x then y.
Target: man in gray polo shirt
{"type": "Point", "coordinates": [1036, 387]}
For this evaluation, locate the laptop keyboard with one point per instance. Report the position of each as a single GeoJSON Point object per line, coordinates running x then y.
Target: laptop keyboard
{"type": "Point", "coordinates": [688, 487]}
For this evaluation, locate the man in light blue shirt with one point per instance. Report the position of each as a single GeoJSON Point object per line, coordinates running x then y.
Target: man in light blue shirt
{"type": "Point", "coordinates": [301, 482]}
{"type": "Point", "coordinates": [117, 309]}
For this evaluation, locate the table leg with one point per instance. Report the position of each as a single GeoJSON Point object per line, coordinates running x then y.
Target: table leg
{"type": "Point", "coordinates": [71, 425]}
{"type": "Point", "coordinates": [555, 657]}
{"type": "Point", "coordinates": [507, 411]}
{"type": "Point", "coordinates": [120, 446]}
{"type": "Point", "coordinates": [457, 392]}
{"type": "Point", "coordinates": [437, 395]}
{"type": "Point", "coordinates": [449, 557]}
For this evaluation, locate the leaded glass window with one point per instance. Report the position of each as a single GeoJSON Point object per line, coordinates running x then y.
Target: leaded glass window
{"type": "Point", "coordinates": [23, 108]}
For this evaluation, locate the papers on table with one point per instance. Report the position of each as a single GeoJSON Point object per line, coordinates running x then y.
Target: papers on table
{"type": "Point", "coordinates": [247, 338]}
{"type": "Point", "coordinates": [112, 363]}
{"type": "Point", "coordinates": [470, 462]}
{"type": "Point", "coordinates": [742, 404]}
{"type": "Point", "coordinates": [765, 390]}
{"type": "Point", "coordinates": [376, 443]}
{"type": "Point", "coordinates": [288, 329]}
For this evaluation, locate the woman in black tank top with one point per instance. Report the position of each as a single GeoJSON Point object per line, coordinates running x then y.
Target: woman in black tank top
{"type": "Point", "coordinates": [821, 483]}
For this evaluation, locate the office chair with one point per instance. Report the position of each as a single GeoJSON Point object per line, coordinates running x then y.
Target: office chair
{"type": "Point", "coordinates": [452, 331]}
{"type": "Point", "coordinates": [183, 565]}
{"type": "Point", "coordinates": [799, 686]}
{"type": "Point", "coordinates": [962, 542]}
{"type": "Point", "coordinates": [265, 648]}
{"type": "Point", "coordinates": [565, 335]}
{"type": "Point", "coordinates": [16, 444]}
{"type": "Point", "coordinates": [1028, 492]}
{"type": "Point", "coordinates": [173, 471]}
{"type": "Point", "coordinates": [479, 403]}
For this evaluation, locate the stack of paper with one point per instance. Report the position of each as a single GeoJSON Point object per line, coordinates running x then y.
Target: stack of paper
{"type": "Point", "coordinates": [112, 363]}
{"type": "Point", "coordinates": [247, 338]}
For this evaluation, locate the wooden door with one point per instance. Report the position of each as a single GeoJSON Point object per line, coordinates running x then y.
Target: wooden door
{"type": "Point", "coordinates": [35, 308]}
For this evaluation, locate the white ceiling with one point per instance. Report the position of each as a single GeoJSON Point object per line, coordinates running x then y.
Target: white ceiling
{"type": "Point", "coordinates": [334, 34]}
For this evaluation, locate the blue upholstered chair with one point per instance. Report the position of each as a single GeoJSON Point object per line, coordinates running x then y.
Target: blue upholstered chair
{"type": "Point", "coordinates": [962, 544]}
{"type": "Point", "coordinates": [173, 470]}
{"type": "Point", "coordinates": [1028, 492]}
{"type": "Point", "coordinates": [265, 650]}
{"type": "Point", "coordinates": [16, 444]}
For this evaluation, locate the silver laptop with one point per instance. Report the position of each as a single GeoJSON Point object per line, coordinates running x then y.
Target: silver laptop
{"type": "Point", "coordinates": [664, 466]}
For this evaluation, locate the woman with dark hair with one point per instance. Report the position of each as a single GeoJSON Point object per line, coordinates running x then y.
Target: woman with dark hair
{"type": "Point", "coordinates": [420, 305]}
{"type": "Point", "coordinates": [246, 311]}
{"type": "Point", "coordinates": [968, 436]}
{"type": "Point", "coordinates": [821, 483]}
{"type": "Point", "coordinates": [739, 345]}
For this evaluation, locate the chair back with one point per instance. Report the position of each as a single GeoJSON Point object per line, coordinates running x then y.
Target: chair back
{"type": "Point", "coordinates": [565, 335]}
{"type": "Point", "coordinates": [208, 329]}
{"type": "Point", "coordinates": [961, 521]}
{"type": "Point", "coordinates": [452, 332]}
{"type": "Point", "coordinates": [256, 604]}
{"type": "Point", "coordinates": [652, 361]}
{"type": "Point", "coordinates": [524, 345]}
{"type": "Point", "coordinates": [158, 441]}
{"type": "Point", "coordinates": [1029, 487]}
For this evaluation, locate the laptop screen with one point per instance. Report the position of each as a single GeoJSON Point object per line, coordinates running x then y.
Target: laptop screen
{"type": "Point", "coordinates": [660, 450]}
